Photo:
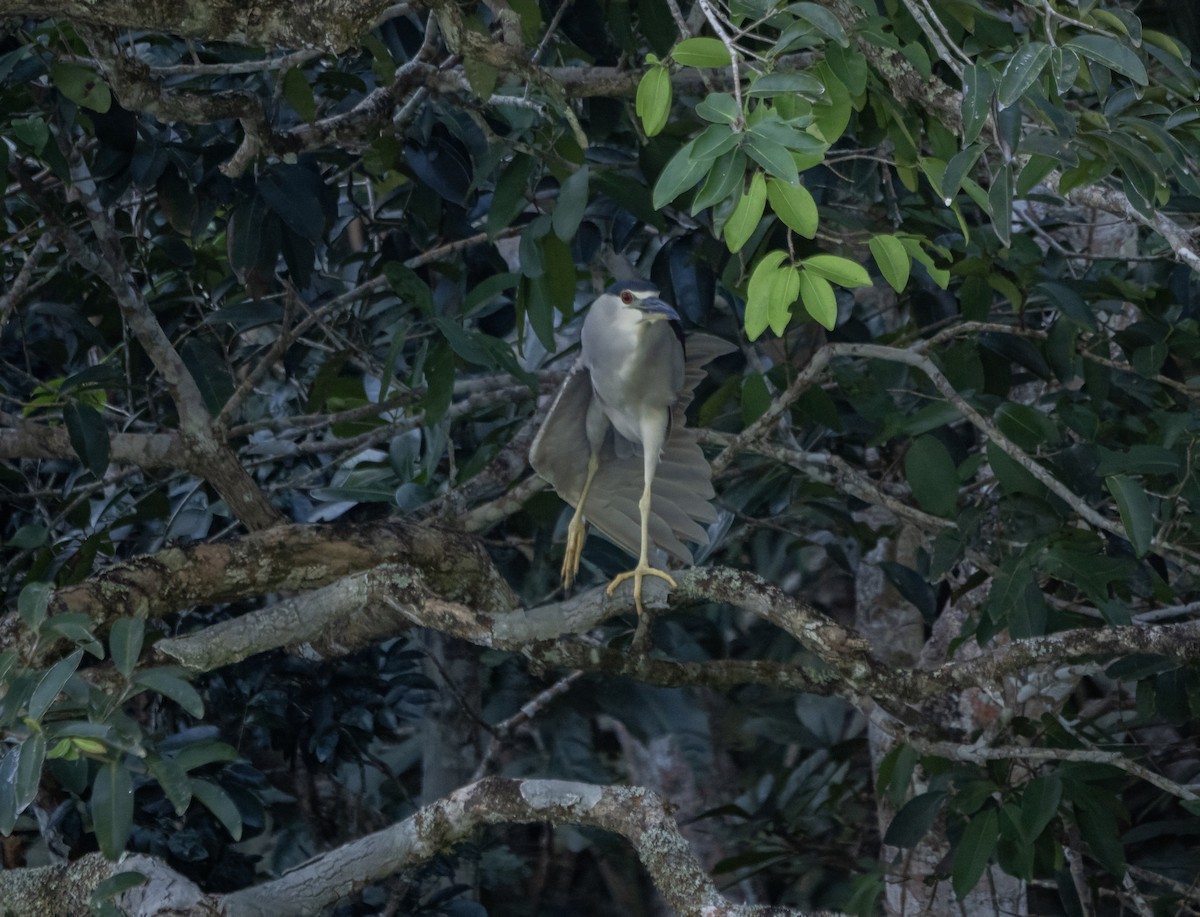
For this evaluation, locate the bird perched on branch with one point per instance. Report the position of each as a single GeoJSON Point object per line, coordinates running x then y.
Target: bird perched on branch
{"type": "Point", "coordinates": [614, 444]}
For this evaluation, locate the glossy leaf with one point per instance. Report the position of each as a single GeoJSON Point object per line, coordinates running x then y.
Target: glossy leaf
{"type": "Point", "coordinates": [167, 682]}
{"type": "Point", "coordinates": [82, 85]}
{"type": "Point", "coordinates": [818, 298]}
{"type": "Point", "coordinates": [759, 292]}
{"type": "Point", "coordinates": [931, 476]}
{"type": "Point", "coordinates": [892, 259]}
{"type": "Point", "coordinates": [653, 104]}
{"type": "Point", "coordinates": [125, 643]}
{"type": "Point", "coordinates": [34, 602]}
{"type": "Point", "coordinates": [747, 214]}
{"type": "Point", "coordinates": [1023, 68]}
{"type": "Point", "coordinates": [88, 435]}
{"type": "Point", "coordinates": [701, 52]}
{"type": "Point", "coordinates": [719, 107]}
{"type": "Point", "coordinates": [1134, 506]}
{"type": "Point", "coordinates": [794, 205]}
{"type": "Point", "coordinates": [31, 756]}
{"type": "Point", "coordinates": [914, 820]}
{"type": "Point", "coordinates": [822, 20]}
{"type": "Point", "coordinates": [52, 681]}
{"type": "Point", "coordinates": [572, 201]}
{"type": "Point", "coordinates": [217, 801]}
{"type": "Point", "coordinates": [678, 175]}
{"type": "Point", "coordinates": [975, 850]}
{"type": "Point", "coordinates": [839, 270]}
{"type": "Point", "coordinates": [1039, 806]}
{"type": "Point", "coordinates": [799, 83]}
{"type": "Point", "coordinates": [1112, 54]}
{"type": "Point", "coordinates": [771, 155]}
{"type": "Point", "coordinates": [978, 89]}
{"type": "Point", "coordinates": [173, 780]}
{"type": "Point", "coordinates": [112, 808]}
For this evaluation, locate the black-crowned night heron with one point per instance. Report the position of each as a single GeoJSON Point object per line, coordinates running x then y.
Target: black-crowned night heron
{"type": "Point", "coordinates": [614, 444]}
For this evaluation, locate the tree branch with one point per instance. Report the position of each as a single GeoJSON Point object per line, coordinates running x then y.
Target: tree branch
{"type": "Point", "coordinates": [634, 813]}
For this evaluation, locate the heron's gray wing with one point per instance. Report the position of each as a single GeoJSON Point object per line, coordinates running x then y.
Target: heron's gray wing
{"type": "Point", "coordinates": [560, 450]}
{"type": "Point", "coordinates": [682, 484]}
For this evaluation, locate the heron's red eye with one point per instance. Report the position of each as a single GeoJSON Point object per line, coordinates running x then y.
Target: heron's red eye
{"type": "Point", "coordinates": [626, 297]}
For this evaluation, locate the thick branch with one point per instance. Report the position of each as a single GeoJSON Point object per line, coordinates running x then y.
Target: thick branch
{"type": "Point", "coordinates": [28, 439]}
{"type": "Point", "coordinates": [633, 813]}
{"type": "Point", "coordinates": [334, 25]}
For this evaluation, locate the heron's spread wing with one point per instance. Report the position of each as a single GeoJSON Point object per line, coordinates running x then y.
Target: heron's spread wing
{"type": "Point", "coordinates": [560, 450]}
{"type": "Point", "coordinates": [682, 484]}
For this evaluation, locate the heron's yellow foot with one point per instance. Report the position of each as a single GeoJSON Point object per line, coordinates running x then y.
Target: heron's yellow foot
{"type": "Point", "coordinates": [637, 574]}
{"type": "Point", "coordinates": [576, 535]}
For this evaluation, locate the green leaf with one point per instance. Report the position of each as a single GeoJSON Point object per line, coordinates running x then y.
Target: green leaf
{"type": "Point", "coordinates": [482, 77]}
{"type": "Point", "coordinates": [125, 643]}
{"type": "Point", "coordinates": [892, 259]}
{"type": "Point", "coordinates": [724, 179]}
{"type": "Point", "coordinates": [32, 756]}
{"type": "Point", "coordinates": [88, 435]}
{"type": "Point", "coordinates": [822, 20]}
{"type": "Point", "coordinates": [786, 291]}
{"type": "Point", "coordinates": [1025, 66]}
{"type": "Point", "coordinates": [1000, 203]}
{"type": "Point", "coordinates": [957, 169]}
{"type": "Point", "coordinates": [975, 849]}
{"type": "Point", "coordinates": [835, 269]}
{"type": "Point", "coordinates": [978, 87]}
{"type": "Point", "coordinates": [653, 103]}
{"type": "Point", "coordinates": [678, 175]}
{"type": "Point", "coordinates": [33, 603]}
{"type": "Point", "coordinates": [794, 205]}
{"type": "Point", "coordinates": [202, 753]}
{"type": "Point", "coordinates": [112, 808]}
{"type": "Point", "coordinates": [746, 215]}
{"type": "Point", "coordinates": [1134, 507]}
{"type": "Point", "coordinates": [773, 84]}
{"type": "Point", "coordinates": [173, 780]}
{"type": "Point", "coordinates": [298, 93]}
{"type": "Point", "coordinates": [701, 52]}
{"type": "Point", "coordinates": [167, 682]}
{"type": "Point", "coordinates": [511, 195]}
{"type": "Point", "coordinates": [8, 789]}
{"type": "Point", "coordinates": [217, 801]}
{"type": "Point", "coordinates": [1039, 805]}
{"type": "Point", "coordinates": [209, 369]}
{"type": "Point", "coordinates": [53, 680]}
{"type": "Point", "coordinates": [938, 275]}
{"type": "Point", "coordinates": [895, 772]}
{"type": "Point", "coordinates": [914, 820]}
{"type": "Point", "coordinates": [720, 108]}
{"type": "Point", "coordinates": [818, 298]}
{"type": "Point", "coordinates": [931, 475]}
{"type": "Point", "coordinates": [759, 291]}
{"type": "Point", "coordinates": [81, 85]}
{"type": "Point", "coordinates": [571, 204]}
{"type": "Point", "coordinates": [1064, 64]}
{"type": "Point", "coordinates": [1098, 826]}
{"type": "Point", "coordinates": [1112, 54]}
{"type": "Point", "coordinates": [771, 155]}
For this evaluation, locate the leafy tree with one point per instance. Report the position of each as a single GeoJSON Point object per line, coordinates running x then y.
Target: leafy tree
{"type": "Point", "coordinates": [286, 292]}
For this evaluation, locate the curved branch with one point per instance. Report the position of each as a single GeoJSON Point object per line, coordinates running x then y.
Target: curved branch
{"type": "Point", "coordinates": [634, 813]}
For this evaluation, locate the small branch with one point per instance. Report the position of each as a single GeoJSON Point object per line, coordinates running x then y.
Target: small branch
{"type": "Point", "coordinates": [981, 754]}
{"type": "Point", "coordinates": [20, 285]}
{"type": "Point", "coordinates": [29, 439]}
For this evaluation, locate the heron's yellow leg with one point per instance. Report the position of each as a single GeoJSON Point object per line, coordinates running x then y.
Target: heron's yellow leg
{"type": "Point", "coordinates": [577, 530]}
{"type": "Point", "coordinates": [643, 568]}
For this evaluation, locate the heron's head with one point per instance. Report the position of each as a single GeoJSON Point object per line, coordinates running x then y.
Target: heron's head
{"type": "Point", "coordinates": [642, 296]}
